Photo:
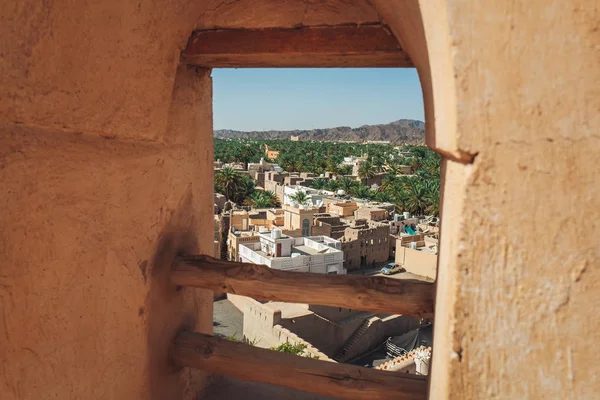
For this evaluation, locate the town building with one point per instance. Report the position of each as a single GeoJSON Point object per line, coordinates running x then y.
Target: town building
{"type": "Point", "coordinates": [235, 238]}
{"type": "Point", "coordinates": [332, 224]}
{"type": "Point", "coordinates": [264, 166]}
{"type": "Point", "coordinates": [107, 125]}
{"type": "Point", "coordinates": [342, 208]}
{"type": "Point", "coordinates": [371, 213]}
{"type": "Point", "coordinates": [400, 222]}
{"type": "Point", "coordinates": [220, 201]}
{"type": "Point", "coordinates": [299, 217]}
{"type": "Point", "coordinates": [315, 197]}
{"type": "Point", "coordinates": [365, 244]}
{"type": "Point", "coordinates": [270, 153]}
{"type": "Point", "coordinates": [237, 165]}
{"type": "Point", "coordinates": [318, 254]}
{"type": "Point", "coordinates": [418, 257]}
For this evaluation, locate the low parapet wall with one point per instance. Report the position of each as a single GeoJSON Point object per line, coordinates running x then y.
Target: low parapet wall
{"type": "Point", "coordinates": [262, 326]}
{"type": "Point", "coordinates": [285, 335]}
{"type": "Point", "coordinates": [378, 330]}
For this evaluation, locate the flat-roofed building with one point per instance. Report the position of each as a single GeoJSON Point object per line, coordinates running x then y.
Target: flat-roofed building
{"type": "Point", "coordinates": [318, 254]}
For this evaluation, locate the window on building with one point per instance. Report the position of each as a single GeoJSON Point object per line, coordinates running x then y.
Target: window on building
{"type": "Point", "coordinates": [305, 227]}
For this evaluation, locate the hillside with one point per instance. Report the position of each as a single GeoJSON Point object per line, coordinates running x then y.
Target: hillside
{"type": "Point", "coordinates": [401, 131]}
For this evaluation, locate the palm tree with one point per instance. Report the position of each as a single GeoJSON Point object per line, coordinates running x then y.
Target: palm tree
{"type": "Point", "coordinates": [432, 197]}
{"type": "Point", "coordinates": [331, 165]}
{"type": "Point", "coordinates": [416, 201]}
{"type": "Point", "coordinates": [366, 170]}
{"type": "Point", "coordinates": [344, 170]}
{"type": "Point", "coordinates": [378, 163]}
{"type": "Point", "coordinates": [388, 182]}
{"type": "Point", "coordinates": [393, 167]}
{"type": "Point", "coordinates": [362, 192]}
{"type": "Point", "coordinates": [243, 189]}
{"type": "Point", "coordinates": [383, 197]}
{"type": "Point", "coordinates": [347, 184]}
{"type": "Point", "coordinates": [227, 178]}
{"type": "Point", "coordinates": [400, 198]}
{"type": "Point", "coordinates": [332, 185]}
{"type": "Point", "coordinates": [258, 200]}
{"type": "Point", "coordinates": [272, 198]}
{"type": "Point", "coordinates": [318, 183]}
{"type": "Point", "coordinates": [300, 197]}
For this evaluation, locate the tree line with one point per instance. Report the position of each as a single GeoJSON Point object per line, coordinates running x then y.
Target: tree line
{"type": "Point", "coordinates": [417, 193]}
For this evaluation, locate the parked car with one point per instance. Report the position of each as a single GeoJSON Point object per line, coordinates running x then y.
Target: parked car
{"type": "Point", "coordinates": [391, 268]}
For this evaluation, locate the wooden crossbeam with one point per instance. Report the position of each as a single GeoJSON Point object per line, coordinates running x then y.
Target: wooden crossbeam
{"type": "Point", "coordinates": [260, 282]}
{"type": "Point", "coordinates": [196, 350]}
{"type": "Point", "coordinates": [332, 46]}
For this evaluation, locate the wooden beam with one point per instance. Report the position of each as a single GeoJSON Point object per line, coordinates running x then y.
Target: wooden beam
{"type": "Point", "coordinates": [393, 296]}
{"type": "Point", "coordinates": [241, 361]}
{"type": "Point", "coordinates": [333, 46]}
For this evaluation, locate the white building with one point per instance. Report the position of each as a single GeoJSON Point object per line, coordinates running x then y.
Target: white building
{"type": "Point", "coordinates": [318, 254]}
{"type": "Point", "coordinates": [315, 196]}
{"type": "Point", "coordinates": [263, 166]}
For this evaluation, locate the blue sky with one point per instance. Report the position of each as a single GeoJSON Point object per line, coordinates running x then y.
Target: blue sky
{"type": "Point", "coordinates": [285, 99]}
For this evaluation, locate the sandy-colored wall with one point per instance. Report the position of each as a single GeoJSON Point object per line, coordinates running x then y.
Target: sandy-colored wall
{"type": "Point", "coordinates": [378, 331]}
{"type": "Point", "coordinates": [104, 151]}
{"type": "Point", "coordinates": [517, 112]}
{"type": "Point", "coordinates": [286, 13]}
{"type": "Point", "coordinates": [417, 262]}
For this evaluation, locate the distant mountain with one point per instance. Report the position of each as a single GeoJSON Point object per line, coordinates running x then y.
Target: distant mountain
{"type": "Point", "coordinates": [401, 131]}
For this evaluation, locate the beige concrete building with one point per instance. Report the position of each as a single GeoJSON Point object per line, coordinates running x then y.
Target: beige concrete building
{"type": "Point", "coordinates": [275, 218]}
{"type": "Point", "coordinates": [220, 201]}
{"type": "Point", "coordinates": [271, 154]}
{"type": "Point", "coordinates": [371, 213]}
{"type": "Point", "coordinates": [107, 162]}
{"type": "Point", "coordinates": [397, 227]}
{"type": "Point", "coordinates": [301, 221]}
{"type": "Point", "coordinates": [234, 239]}
{"type": "Point", "coordinates": [421, 261]}
{"type": "Point", "coordinates": [300, 218]}
{"type": "Point", "coordinates": [342, 208]}
{"type": "Point", "coordinates": [239, 220]}
{"type": "Point", "coordinates": [365, 244]}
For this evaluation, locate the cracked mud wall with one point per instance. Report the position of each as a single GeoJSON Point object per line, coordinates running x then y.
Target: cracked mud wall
{"type": "Point", "coordinates": [519, 261]}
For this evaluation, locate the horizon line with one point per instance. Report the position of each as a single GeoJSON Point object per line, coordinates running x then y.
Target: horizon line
{"type": "Point", "coordinates": [332, 127]}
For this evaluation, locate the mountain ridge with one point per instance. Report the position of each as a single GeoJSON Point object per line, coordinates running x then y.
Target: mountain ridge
{"type": "Point", "coordinates": [396, 132]}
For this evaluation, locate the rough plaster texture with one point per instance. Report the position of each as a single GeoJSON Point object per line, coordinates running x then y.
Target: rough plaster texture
{"type": "Point", "coordinates": [102, 68]}
{"type": "Point", "coordinates": [90, 228]}
{"type": "Point", "coordinates": [285, 13]}
{"type": "Point", "coordinates": [103, 182]}
{"type": "Point", "coordinates": [514, 285]}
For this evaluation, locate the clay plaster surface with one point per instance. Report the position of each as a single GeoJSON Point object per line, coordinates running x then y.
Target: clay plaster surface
{"type": "Point", "coordinates": [519, 259]}
{"type": "Point", "coordinates": [105, 161]}
{"type": "Point", "coordinates": [250, 14]}
{"type": "Point", "coordinates": [90, 228]}
{"type": "Point", "coordinates": [103, 68]}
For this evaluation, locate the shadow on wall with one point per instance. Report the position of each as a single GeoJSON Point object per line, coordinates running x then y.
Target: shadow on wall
{"type": "Point", "coordinates": [171, 309]}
